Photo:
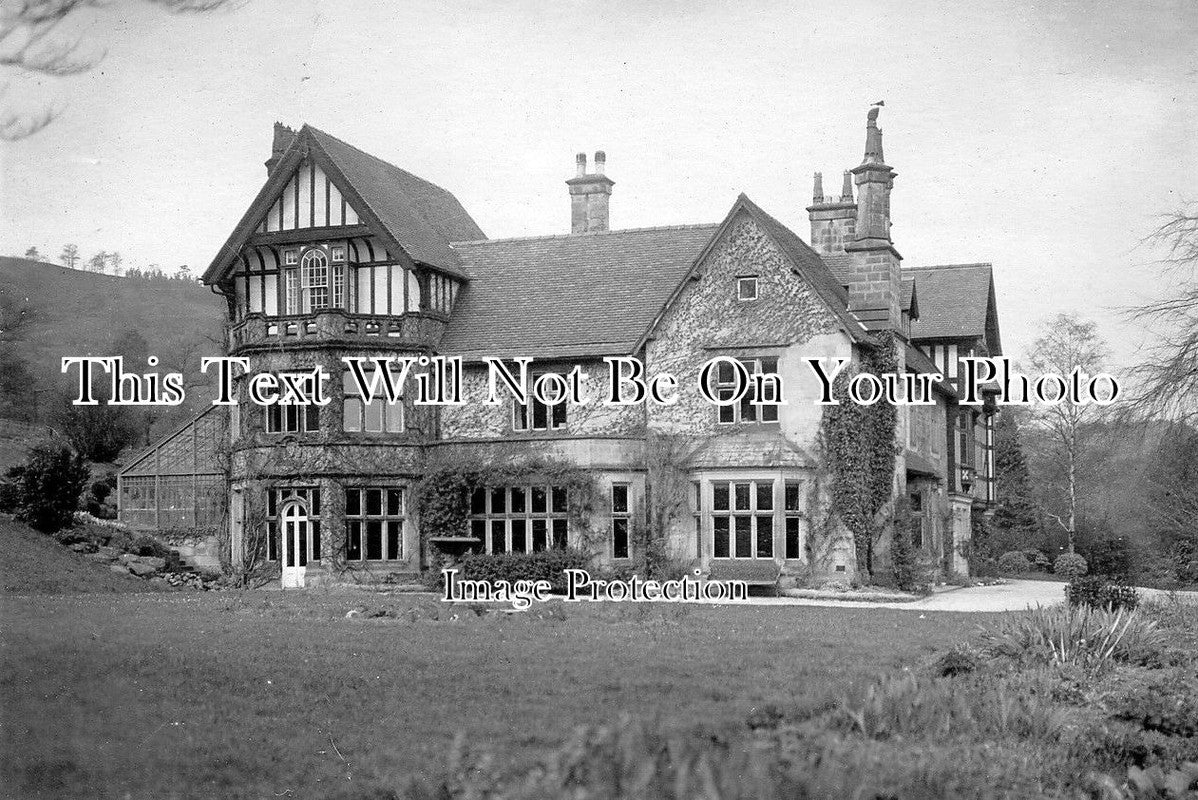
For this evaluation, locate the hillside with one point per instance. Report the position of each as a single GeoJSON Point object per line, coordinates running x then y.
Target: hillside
{"type": "Point", "coordinates": [34, 563]}
{"type": "Point", "coordinates": [77, 313]}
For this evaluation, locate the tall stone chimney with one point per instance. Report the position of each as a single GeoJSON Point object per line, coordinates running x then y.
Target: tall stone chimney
{"type": "Point", "coordinates": [589, 194]}
{"type": "Point", "coordinates": [282, 140]}
{"type": "Point", "coordinates": [833, 220]}
{"type": "Point", "coordinates": [876, 288]}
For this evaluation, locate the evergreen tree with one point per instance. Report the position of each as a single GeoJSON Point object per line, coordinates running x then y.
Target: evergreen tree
{"type": "Point", "coordinates": [1016, 521]}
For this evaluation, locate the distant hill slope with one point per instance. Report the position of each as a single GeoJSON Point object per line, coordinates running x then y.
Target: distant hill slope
{"type": "Point", "coordinates": [78, 313]}
{"type": "Point", "coordinates": [35, 563]}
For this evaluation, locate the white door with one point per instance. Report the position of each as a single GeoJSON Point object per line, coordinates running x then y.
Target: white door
{"type": "Point", "coordinates": [294, 530]}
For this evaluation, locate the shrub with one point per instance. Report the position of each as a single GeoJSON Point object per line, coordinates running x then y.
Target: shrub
{"type": "Point", "coordinates": [1070, 566]}
{"type": "Point", "coordinates": [983, 567]}
{"type": "Point", "coordinates": [1038, 560]}
{"type": "Point", "coordinates": [99, 500]}
{"type": "Point", "coordinates": [1112, 557]}
{"type": "Point", "coordinates": [144, 544]}
{"type": "Point", "coordinates": [546, 565]}
{"type": "Point", "coordinates": [1095, 592]}
{"type": "Point", "coordinates": [1013, 563]}
{"type": "Point", "coordinates": [1084, 636]}
{"type": "Point", "coordinates": [10, 495]}
{"type": "Point", "coordinates": [48, 486]}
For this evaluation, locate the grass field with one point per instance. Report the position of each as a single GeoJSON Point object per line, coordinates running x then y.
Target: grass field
{"type": "Point", "coordinates": [279, 695]}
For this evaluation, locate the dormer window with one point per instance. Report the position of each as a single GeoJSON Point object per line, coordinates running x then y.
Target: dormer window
{"type": "Point", "coordinates": [746, 287]}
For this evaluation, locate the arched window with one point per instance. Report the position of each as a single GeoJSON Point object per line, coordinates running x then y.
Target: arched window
{"type": "Point", "coordinates": [314, 280]}
{"type": "Point", "coordinates": [315, 284]}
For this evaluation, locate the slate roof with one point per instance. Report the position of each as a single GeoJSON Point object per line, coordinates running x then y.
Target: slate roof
{"type": "Point", "coordinates": [599, 293]}
{"type": "Point", "coordinates": [422, 216]}
{"type": "Point", "coordinates": [416, 217]}
{"type": "Point", "coordinates": [570, 295]}
{"type": "Point", "coordinates": [955, 302]}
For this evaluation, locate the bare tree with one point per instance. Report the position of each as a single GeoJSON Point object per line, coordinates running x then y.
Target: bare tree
{"type": "Point", "coordinates": [69, 255]}
{"type": "Point", "coordinates": [114, 258]}
{"type": "Point", "coordinates": [1068, 342]}
{"type": "Point", "coordinates": [40, 38]}
{"type": "Point", "coordinates": [33, 253]}
{"type": "Point", "coordinates": [1167, 375]}
{"type": "Point", "coordinates": [98, 262]}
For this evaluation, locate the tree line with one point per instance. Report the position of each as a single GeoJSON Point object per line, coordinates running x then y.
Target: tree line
{"type": "Point", "coordinates": [112, 263]}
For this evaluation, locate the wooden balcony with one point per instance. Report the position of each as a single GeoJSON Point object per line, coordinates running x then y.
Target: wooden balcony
{"type": "Point", "coordinates": [333, 327]}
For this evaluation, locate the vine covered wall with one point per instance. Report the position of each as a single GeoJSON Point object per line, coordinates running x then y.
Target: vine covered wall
{"type": "Point", "coordinates": [857, 443]}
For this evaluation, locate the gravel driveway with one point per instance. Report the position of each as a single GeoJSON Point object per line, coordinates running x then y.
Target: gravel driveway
{"type": "Point", "coordinates": [1011, 596]}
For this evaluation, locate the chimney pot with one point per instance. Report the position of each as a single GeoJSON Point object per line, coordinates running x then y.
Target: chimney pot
{"type": "Point", "coordinates": [817, 191]}
{"type": "Point", "coordinates": [600, 162]}
{"type": "Point", "coordinates": [581, 160]}
{"type": "Point", "coordinates": [846, 192]}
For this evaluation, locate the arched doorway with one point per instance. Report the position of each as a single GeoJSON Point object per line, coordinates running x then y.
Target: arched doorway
{"type": "Point", "coordinates": [293, 529]}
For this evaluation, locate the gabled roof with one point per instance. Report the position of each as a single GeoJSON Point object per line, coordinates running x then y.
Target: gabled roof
{"type": "Point", "coordinates": [956, 301]}
{"type": "Point", "coordinates": [569, 295]}
{"type": "Point", "coordinates": [415, 218]}
{"type": "Point", "coordinates": [803, 260]}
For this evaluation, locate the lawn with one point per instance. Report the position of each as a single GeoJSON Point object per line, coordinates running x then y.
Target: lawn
{"type": "Point", "coordinates": [269, 694]}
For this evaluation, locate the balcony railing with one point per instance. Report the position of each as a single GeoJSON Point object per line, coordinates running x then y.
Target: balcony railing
{"type": "Point", "coordinates": [333, 326]}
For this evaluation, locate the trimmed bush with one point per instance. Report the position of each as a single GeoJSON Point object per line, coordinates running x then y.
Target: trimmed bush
{"type": "Point", "coordinates": [547, 565]}
{"type": "Point", "coordinates": [1013, 563]}
{"type": "Point", "coordinates": [1070, 566]}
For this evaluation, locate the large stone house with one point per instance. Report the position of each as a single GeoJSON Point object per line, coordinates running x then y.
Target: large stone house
{"type": "Point", "coordinates": [342, 254]}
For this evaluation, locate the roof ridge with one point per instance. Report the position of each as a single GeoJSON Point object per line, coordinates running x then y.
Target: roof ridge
{"type": "Point", "coordinates": [969, 265]}
{"type": "Point", "coordinates": [354, 147]}
{"type": "Point", "coordinates": [546, 237]}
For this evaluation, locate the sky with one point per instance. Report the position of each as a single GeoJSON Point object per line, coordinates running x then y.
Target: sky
{"type": "Point", "coordinates": [1046, 138]}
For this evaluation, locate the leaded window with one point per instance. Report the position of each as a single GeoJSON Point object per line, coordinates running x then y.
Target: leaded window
{"type": "Point", "coordinates": [520, 519]}
{"type": "Point", "coordinates": [742, 519]}
{"type": "Point", "coordinates": [374, 524]}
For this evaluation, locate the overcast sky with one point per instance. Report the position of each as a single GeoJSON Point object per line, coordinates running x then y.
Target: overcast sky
{"type": "Point", "coordinates": [1042, 137]}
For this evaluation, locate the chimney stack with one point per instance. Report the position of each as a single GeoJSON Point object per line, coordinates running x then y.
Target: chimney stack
{"type": "Point", "coordinates": [278, 146]}
{"type": "Point", "coordinates": [589, 193]}
{"type": "Point", "coordinates": [876, 285]}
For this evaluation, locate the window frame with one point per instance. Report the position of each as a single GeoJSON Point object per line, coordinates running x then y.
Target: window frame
{"type": "Point", "coordinates": [283, 419]}
{"type": "Point", "coordinates": [621, 522]}
{"type": "Point", "coordinates": [350, 398]}
{"type": "Point", "coordinates": [392, 521]}
{"type": "Point", "coordinates": [753, 513]}
{"type": "Point", "coordinates": [747, 280]}
{"type": "Point", "coordinates": [485, 519]}
{"type": "Point", "coordinates": [736, 414]}
{"type": "Point", "coordinates": [523, 412]}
